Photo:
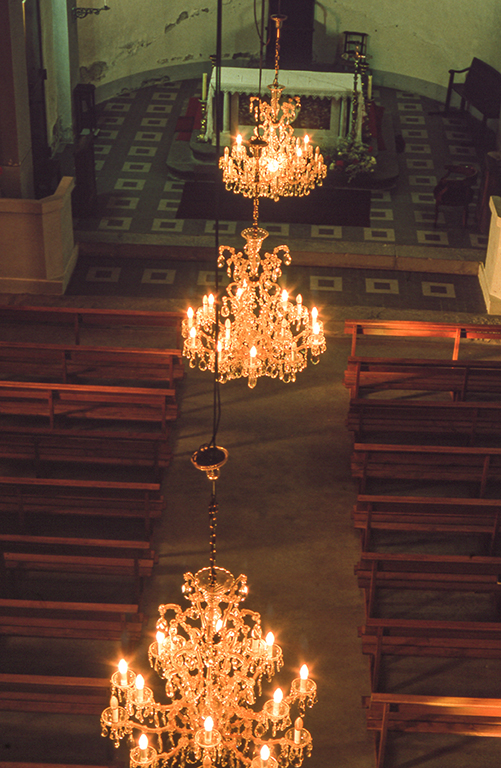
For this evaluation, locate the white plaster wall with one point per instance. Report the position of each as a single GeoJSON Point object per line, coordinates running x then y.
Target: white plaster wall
{"type": "Point", "coordinates": [144, 36]}
{"type": "Point", "coordinates": [419, 39]}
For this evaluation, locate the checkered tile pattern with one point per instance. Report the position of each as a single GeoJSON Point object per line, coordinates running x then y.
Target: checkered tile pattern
{"type": "Point", "coordinates": [138, 195]}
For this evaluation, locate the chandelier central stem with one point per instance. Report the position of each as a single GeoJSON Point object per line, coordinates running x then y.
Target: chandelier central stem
{"type": "Point", "coordinates": [213, 509]}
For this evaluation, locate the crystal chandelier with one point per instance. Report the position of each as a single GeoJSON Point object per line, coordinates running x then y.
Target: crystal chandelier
{"type": "Point", "coordinates": [258, 330]}
{"type": "Point", "coordinates": [212, 658]}
{"type": "Point", "coordinates": [278, 164]}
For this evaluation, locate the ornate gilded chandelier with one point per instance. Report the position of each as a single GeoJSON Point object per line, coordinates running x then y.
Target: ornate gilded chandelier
{"type": "Point", "coordinates": [213, 659]}
{"type": "Point", "coordinates": [278, 164]}
{"type": "Point", "coordinates": [258, 330]}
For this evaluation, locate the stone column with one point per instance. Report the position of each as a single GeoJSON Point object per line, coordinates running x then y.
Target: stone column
{"type": "Point", "coordinates": [490, 275]}
{"type": "Point", "coordinates": [15, 136]}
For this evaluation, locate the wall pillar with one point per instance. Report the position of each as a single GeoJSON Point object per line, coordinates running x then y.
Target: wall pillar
{"type": "Point", "coordinates": [15, 136]}
{"type": "Point", "coordinates": [490, 275]}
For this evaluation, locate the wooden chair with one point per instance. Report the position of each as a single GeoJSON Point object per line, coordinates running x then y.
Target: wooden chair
{"type": "Point", "coordinates": [455, 189]}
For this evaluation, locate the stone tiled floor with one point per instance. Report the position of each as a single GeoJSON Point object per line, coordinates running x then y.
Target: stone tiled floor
{"type": "Point", "coordinates": [137, 195]}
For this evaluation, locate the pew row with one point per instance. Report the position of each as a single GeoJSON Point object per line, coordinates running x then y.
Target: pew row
{"type": "Point", "coordinates": [415, 637]}
{"type": "Point", "coordinates": [440, 463]}
{"type": "Point", "coordinates": [393, 418]}
{"type": "Point", "coordinates": [56, 695]}
{"type": "Point", "coordinates": [429, 714]}
{"type": "Point", "coordinates": [80, 318]}
{"type": "Point", "coordinates": [20, 554]}
{"type": "Point", "coordinates": [114, 448]}
{"type": "Point", "coordinates": [413, 328]}
{"type": "Point", "coordinates": [87, 401]}
{"type": "Point", "coordinates": [25, 497]}
{"type": "Point", "coordinates": [428, 515]}
{"type": "Point", "coordinates": [447, 573]}
{"type": "Point", "coordinates": [119, 622]}
{"type": "Point", "coordinates": [367, 375]}
{"type": "Point", "coordinates": [55, 362]}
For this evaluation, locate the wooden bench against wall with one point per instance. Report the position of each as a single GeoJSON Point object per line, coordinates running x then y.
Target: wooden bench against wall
{"type": "Point", "coordinates": [447, 573]}
{"type": "Point", "coordinates": [61, 695]}
{"type": "Point", "coordinates": [471, 421]}
{"type": "Point", "coordinates": [79, 318]}
{"type": "Point", "coordinates": [367, 375]}
{"type": "Point", "coordinates": [441, 463]}
{"type": "Point", "coordinates": [438, 639]}
{"type": "Point", "coordinates": [411, 328]}
{"type": "Point", "coordinates": [427, 515]}
{"type": "Point", "coordinates": [25, 497]}
{"type": "Point", "coordinates": [429, 714]}
{"type": "Point", "coordinates": [81, 401]}
{"type": "Point", "coordinates": [118, 622]}
{"type": "Point", "coordinates": [65, 363]}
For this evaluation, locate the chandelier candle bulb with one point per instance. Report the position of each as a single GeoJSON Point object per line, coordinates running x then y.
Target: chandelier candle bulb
{"type": "Point", "coordinates": [298, 727]}
{"type": "Point", "coordinates": [265, 755]}
{"type": "Point", "coordinates": [143, 746]}
{"type": "Point", "coordinates": [160, 637]}
{"type": "Point", "coordinates": [190, 316]}
{"type": "Point", "coordinates": [269, 641]}
{"type": "Point", "coordinates": [114, 709]}
{"type": "Point", "coordinates": [139, 688]}
{"type": "Point", "coordinates": [277, 700]}
{"type": "Point", "coordinates": [303, 675]}
{"type": "Point", "coordinates": [208, 726]}
{"type": "Point", "coordinates": [122, 668]}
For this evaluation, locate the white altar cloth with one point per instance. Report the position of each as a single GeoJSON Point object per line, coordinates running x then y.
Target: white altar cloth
{"type": "Point", "coordinates": [337, 86]}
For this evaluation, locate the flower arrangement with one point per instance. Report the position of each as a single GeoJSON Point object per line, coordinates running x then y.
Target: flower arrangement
{"type": "Point", "coordinates": [353, 157]}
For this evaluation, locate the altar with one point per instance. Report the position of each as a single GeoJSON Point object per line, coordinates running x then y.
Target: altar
{"type": "Point", "coordinates": [336, 86]}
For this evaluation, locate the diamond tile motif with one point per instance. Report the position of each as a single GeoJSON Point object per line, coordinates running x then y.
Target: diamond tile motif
{"type": "Point", "coordinates": [159, 109]}
{"type": "Point", "coordinates": [442, 290]}
{"type": "Point", "coordinates": [164, 96]}
{"type": "Point", "coordinates": [102, 149]}
{"type": "Point", "coordinates": [386, 235]}
{"type": "Point", "coordinates": [206, 277]}
{"type": "Point", "coordinates": [122, 202]}
{"type": "Point", "coordinates": [159, 276]}
{"type": "Point", "coordinates": [136, 167]}
{"type": "Point", "coordinates": [325, 283]}
{"type": "Point", "coordinates": [115, 106]}
{"type": "Point", "coordinates": [419, 165]}
{"type": "Point", "coordinates": [425, 181]}
{"type": "Point", "coordinates": [428, 217]}
{"type": "Point", "coordinates": [381, 285]}
{"type": "Point", "coordinates": [414, 133]}
{"type": "Point", "coordinates": [460, 151]}
{"type": "Point", "coordinates": [142, 151]}
{"type": "Point", "coordinates": [418, 149]}
{"type": "Point", "coordinates": [422, 197]}
{"type": "Point", "coordinates": [130, 184]}
{"type": "Point", "coordinates": [154, 122]}
{"type": "Point", "coordinates": [382, 213]}
{"type": "Point", "coordinates": [432, 238]}
{"type": "Point", "coordinates": [115, 224]}
{"type": "Point", "coordinates": [335, 233]}
{"type": "Point", "coordinates": [110, 120]}
{"type": "Point", "coordinates": [478, 241]}
{"type": "Point", "coordinates": [168, 205]}
{"type": "Point", "coordinates": [167, 225]}
{"type": "Point", "coordinates": [103, 274]}
{"type": "Point", "coordinates": [148, 136]}
{"type": "Point", "coordinates": [171, 186]}
{"type": "Point", "coordinates": [408, 106]}
{"type": "Point", "coordinates": [380, 196]}
{"type": "Point", "coordinates": [225, 227]}
{"type": "Point", "coordinates": [277, 229]}
{"type": "Point", "coordinates": [412, 119]}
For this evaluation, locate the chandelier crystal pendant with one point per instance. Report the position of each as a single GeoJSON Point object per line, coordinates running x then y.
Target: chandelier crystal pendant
{"type": "Point", "coordinates": [275, 163]}
{"type": "Point", "coordinates": [258, 331]}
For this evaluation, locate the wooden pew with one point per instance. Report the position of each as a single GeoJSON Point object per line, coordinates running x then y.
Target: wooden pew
{"type": "Point", "coordinates": [41, 445]}
{"type": "Point", "coordinates": [448, 573]}
{"type": "Point", "coordinates": [405, 713]}
{"type": "Point", "coordinates": [48, 694]}
{"type": "Point", "coordinates": [78, 318]}
{"type": "Point", "coordinates": [418, 329]}
{"type": "Point", "coordinates": [20, 553]}
{"type": "Point", "coordinates": [428, 515]}
{"type": "Point", "coordinates": [414, 637]}
{"type": "Point", "coordinates": [118, 622]}
{"type": "Point", "coordinates": [25, 497]}
{"type": "Point", "coordinates": [393, 418]}
{"type": "Point", "coordinates": [440, 463]}
{"type": "Point", "coordinates": [66, 363]}
{"type": "Point", "coordinates": [366, 375]}
{"type": "Point", "coordinates": [81, 401]}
